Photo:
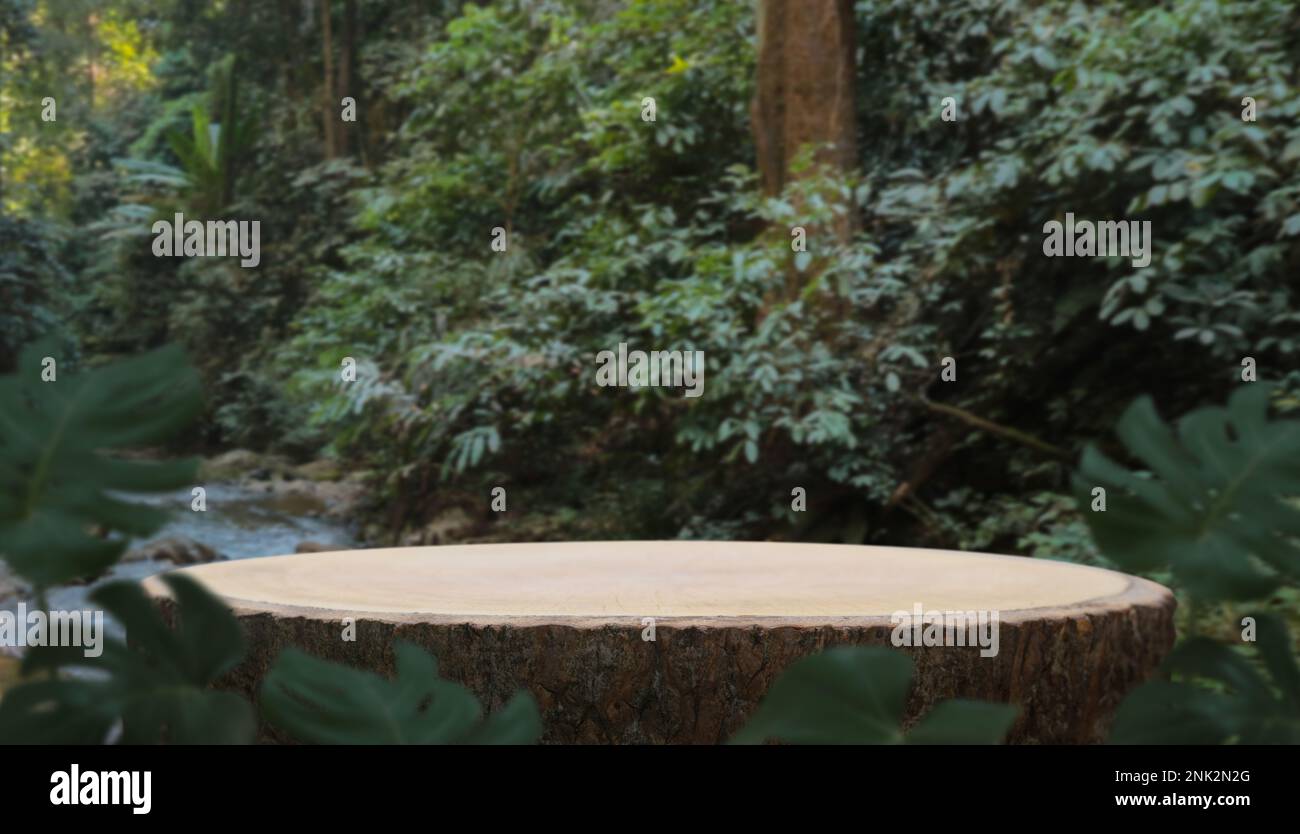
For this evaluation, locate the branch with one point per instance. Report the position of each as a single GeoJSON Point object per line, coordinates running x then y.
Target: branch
{"type": "Point", "coordinates": [998, 429]}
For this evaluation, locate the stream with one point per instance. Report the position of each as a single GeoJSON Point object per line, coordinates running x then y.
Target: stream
{"type": "Point", "coordinates": [241, 522]}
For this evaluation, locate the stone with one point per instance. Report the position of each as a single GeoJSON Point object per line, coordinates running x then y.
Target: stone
{"type": "Point", "coordinates": [230, 465]}
{"type": "Point", "coordinates": [178, 550]}
{"type": "Point", "coordinates": [323, 469]}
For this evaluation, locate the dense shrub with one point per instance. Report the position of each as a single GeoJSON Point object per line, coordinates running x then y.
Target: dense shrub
{"type": "Point", "coordinates": [527, 117]}
{"type": "Point", "coordinates": [477, 366]}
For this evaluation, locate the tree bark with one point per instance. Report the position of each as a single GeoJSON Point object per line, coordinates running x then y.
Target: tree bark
{"type": "Point", "coordinates": [805, 86]}
{"type": "Point", "coordinates": [290, 59]}
{"type": "Point", "coordinates": [347, 74]}
{"type": "Point", "coordinates": [804, 96]}
{"type": "Point", "coordinates": [566, 621]}
{"type": "Point", "coordinates": [330, 111]}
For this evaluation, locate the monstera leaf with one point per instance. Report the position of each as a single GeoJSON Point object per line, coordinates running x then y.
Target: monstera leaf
{"type": "Point", "coordinates": [856, 695]}
{"type": "Point", "coordinates": [56, 483]}
{"type": "Point", "coordinates": [157, 687]}
{"type": "Point", "coordinates": [326, 703]}
{"type": "Point", "coordinates": [1214, 509]}
{"type": "Point", "coordinates": [1243, 707]}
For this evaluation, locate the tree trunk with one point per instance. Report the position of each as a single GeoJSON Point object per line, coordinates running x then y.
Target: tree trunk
{"type": "Point", "coordinates": [805, 86]}
{"type": "Point", "coordinates": [330, 111]}
{"type": "Point", "coordinates": [347, 74]}
{"type": "Point", "coordinates": [92, 57]}
{"type": "Point", "coordinates": [804, 96]}
{"type": "Point", "coordinates": [290, 59]}
{"type": "Point", "coordinates": [567, 621]}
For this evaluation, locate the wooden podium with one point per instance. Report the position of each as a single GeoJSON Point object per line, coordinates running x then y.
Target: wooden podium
{"type": "Point", "coordinates": [568, 622]}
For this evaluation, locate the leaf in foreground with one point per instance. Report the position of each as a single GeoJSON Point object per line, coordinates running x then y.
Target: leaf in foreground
{"type": "Point", "coordinates": [857, 695]}
{"type": "Point", "coordinates": [1214, 511]}
{"type": "Point", "coordinates": [157, 687]}
{"type": "Point", "coordinates": [320, 702]}
{"type": "Point", "coordinates": [1239, 706]}
{"type": "Point", "coordinates": [56, 483]}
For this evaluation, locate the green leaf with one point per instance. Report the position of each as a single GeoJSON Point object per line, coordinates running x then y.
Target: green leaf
{"type": "Point", "coordinates": [856, 695]}
{"type": "Point", "coordinates": [56, 483]}
{"type": "Point", "coordinates": [1167, 713]}
{"type": "Point", "coordinates": [53, 712]}
{"type": "Point", "coordinates": [320, 702]}
{"type": "Point", "coordinates": [1212, 510]}
{"type": "Point", "coordinates": [961, 721]}
{"type": "Point", "coordinates": [518, 722]}
{"type": "Point", "coordinates": [158, 685]}
{"type": "Point", "coordinates": [1243, 707]}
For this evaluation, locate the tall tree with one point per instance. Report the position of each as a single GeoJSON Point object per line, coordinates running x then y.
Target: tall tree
{"type": "Point", "coordinates": [348, 86]}
{"type": "Point", "coordinates": [330, 109]}
{"type": "Point", "coordinates": [804, 93]}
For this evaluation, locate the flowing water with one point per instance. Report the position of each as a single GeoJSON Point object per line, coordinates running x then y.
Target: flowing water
{"type": "Point", "coordinates": [241, 522]}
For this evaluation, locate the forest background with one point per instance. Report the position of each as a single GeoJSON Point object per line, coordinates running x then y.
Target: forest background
{"type": "Point", "coordinates": [476, 367]}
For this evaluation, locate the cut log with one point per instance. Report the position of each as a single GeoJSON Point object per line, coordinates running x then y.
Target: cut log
{"type": "Point", "coordinates": [566, 621]}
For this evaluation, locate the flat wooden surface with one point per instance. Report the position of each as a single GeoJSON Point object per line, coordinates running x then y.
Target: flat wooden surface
{"type": "Point", "coordinates": [614, 581]}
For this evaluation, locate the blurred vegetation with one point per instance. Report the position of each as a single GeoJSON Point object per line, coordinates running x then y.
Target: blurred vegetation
{"type": "Point", "coordinates": [62, 520]}
{"type": "Point", "coordinates": [1214, 508]}
{"type": "Point", "coordinates": [60, 494]}
{"type": "Point", "coordinates": [475, 367]}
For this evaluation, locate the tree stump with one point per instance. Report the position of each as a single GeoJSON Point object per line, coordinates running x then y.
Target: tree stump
{"type": "Point", "coordinates": [566, 621]}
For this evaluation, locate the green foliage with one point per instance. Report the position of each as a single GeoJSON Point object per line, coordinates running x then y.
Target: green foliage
{"type": "Point", "coordinates": [620, 230]}
{"type": "Point", "coordinates": [229, 317]}
{"type": "Point", "coordinates": [527, 116]}
{"type": "Point", "coordinates": [326, 703]}
{"type": "Point", "coordinates": [1043, 525]}
{"type": "Point", "coordinates": [1106, 110]}
{"type": "Point", "coordinates": [219, 139]}
{"type": "Point", "coordinates": [476, 366]}
{"type": "Point", "coordinates": [158, 686]}
{"type": "Point", "coordinates": [1217, 511]}
{"type": "Point", "coordinates": [1240, 706]}
{"type": "Point", "coordinates": [56, 483]}
{"type": "Point", "coordinates": [210, 153]}
{"type": "Point", "coordinates": [1213, 505]}
{"type": "Point", "coordinates": [856, 695]}
{"type": "Point", "coordinates": [32, 282]}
